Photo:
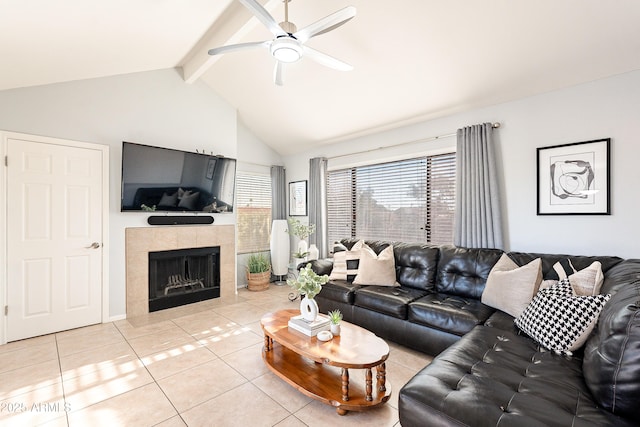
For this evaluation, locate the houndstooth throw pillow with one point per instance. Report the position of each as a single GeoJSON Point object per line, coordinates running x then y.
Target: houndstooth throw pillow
{"type": "Point", "coordinates": [559, 320]}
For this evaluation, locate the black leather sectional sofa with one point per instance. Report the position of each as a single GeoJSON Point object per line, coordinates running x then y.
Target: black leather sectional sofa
{"type": "Point", "coordinates": [487, 372]}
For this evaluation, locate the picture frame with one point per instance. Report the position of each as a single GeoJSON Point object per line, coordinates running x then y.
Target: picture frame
{"type": "Point", "coordinates": [574, 179]}
{"type": "Point", "coordinates": [298, 198]}
{"type": "Point", "coordinates": [210, 168]}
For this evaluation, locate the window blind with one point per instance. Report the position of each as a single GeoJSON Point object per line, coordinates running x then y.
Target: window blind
{"type": "Point", "coordinates": [441, 201]}
{"type": "Point", "coordinates": [410, 200]}
{"type": "Point", "coordinates": [340, 206]}
{"type": "Point", "coordinates": [253, 200]}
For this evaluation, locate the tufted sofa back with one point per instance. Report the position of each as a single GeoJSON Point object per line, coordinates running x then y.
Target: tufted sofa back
{"type": "Point", "coordinates": [579, 262]}
{"type": "Point", "coordinates": [463, 271]}
{"type": "Point", "coordinates": [447, 269]}
{"type": "Point", "coordinates": [416, 265]}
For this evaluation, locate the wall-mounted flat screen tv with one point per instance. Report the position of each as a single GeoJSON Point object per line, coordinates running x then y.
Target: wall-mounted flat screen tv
{"type": "Point", "coordinates": [167, 180]}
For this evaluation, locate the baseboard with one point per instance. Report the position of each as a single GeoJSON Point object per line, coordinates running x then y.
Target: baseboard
{"type": "Point", "coordinates": [116, 318]}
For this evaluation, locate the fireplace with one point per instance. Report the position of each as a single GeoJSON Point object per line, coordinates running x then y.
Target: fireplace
{"type": "Point", "coordinates": [183, 276]}
{"type": "Point", "coordinates": [139, 241]}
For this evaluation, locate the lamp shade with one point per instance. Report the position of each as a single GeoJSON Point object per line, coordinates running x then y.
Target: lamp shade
{"type": "Point", "coordinates": [279, 246]}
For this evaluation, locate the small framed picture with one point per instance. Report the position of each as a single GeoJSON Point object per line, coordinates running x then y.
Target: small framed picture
{"type": "Point", "coordinates": [573, 179]}
{"type": "Point", "coordinates": [210, 168]}
{"type": "Point", "coordinates": [298, 198]}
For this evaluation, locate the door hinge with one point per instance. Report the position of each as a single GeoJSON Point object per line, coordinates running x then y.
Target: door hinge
{"type": "Point", "coordinates": [6, 310]}
{"type": "Point", "coordinates": [6, 160]}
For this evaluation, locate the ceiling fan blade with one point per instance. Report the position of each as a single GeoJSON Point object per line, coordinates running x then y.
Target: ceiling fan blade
{"type": "Point", "coordinates": [264, 17]}
{"type": "Point", "coordinates": [237, 47]}
{"type": "Point", "coordinates": [278, 73]}
{"type": "Point", "coordinates": [326, 60]}
{"type": "Point", "coordinates": [326, 24]}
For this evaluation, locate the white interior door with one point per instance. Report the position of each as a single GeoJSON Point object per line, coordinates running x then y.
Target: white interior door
{"type": "Point", "coordinates": [54, 237]}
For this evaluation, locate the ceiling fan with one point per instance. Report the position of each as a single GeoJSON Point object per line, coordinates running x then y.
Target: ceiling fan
{"type": "Point", "coordinates": [288, 44]}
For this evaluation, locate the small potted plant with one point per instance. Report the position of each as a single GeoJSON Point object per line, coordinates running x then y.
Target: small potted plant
{"type": "Point", "coordinates": [258, 272]}
{"type": "Point", "coordinates": [335, 316]}
{"type": "Point", "coordinates": [298, 258]}
{"type": "Point", "coordinates": [309, 284]}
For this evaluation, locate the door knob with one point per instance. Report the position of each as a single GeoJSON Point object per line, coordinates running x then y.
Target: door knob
{"type": "Point", "coordinates": [94, 245]}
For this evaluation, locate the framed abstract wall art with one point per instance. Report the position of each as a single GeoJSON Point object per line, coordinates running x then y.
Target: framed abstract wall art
{"type": "Point", "coordinates": [298, 198]}
{"type": "Point", "coordinates": [573, 179]}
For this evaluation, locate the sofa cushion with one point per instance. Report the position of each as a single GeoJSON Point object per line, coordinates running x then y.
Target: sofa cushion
{"type": "Point", "coordinates": [612, 352]}
{"type": "Point", "coordinates": [501, 320]}
{"type": "Point", "coordinates": [463, 271]}
{"type": "Point", "coordinates": [391, 301]}
{"type": "Point", "coordinates": [454, 314]}
{"type": "Point", "coordinates": [416, 265]}
{"type": "Point", "coordinates": [511, 288]}
{"type": "Point", "coordinates": [339, 290]}
{"type": "Point", "coordinates": [560, 320]}
{"type": "Point", "coordinates": [493, 377]}
{"type": "Point", "coordinates": [377, 269]}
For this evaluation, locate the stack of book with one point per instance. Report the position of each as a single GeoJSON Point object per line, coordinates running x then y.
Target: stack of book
{"type": "Point", "coordinates": [310, 328]}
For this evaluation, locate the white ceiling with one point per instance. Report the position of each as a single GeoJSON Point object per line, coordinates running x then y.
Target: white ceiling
{"type": "Point", "coordinates": [414, 59]}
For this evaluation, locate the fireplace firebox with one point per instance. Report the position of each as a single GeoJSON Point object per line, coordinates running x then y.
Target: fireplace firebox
{"type": "Point", "coordinates": [183, 276]}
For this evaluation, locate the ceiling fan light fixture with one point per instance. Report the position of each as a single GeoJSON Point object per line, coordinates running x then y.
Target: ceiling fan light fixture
{"type": "Point", "coordinates": [286, 49]}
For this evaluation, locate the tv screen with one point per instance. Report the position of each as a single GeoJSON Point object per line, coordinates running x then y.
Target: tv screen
{"type": "Point", "coordinates": [167, 180]}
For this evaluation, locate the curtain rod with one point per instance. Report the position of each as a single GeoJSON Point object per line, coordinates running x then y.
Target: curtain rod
{"type": "Point", "coordinates": [256, 164]}
{"type": "Point", "coordinates": [495, 125]}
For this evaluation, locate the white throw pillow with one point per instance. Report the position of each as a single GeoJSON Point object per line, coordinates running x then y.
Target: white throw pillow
{"type": "Point", "coordinates": [375, 269]}
{"type": "Point", "coordinates": [585, 282]}
{"type": "Point", "coordinates": [511, 288]}
{"type": "Point", "coordinates": [559, 320]}
{"type": "Point", "coordinates": [345, 263]}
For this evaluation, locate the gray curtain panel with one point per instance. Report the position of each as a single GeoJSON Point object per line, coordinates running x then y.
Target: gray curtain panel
{"type": "Point", "coordinates": [318, 203]}
{"type": "Point", "coordinates": [278, 193]}
{"type": "Point", "coordinates": [477, 218]}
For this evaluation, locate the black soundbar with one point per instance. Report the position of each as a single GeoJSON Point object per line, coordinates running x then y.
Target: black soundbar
{"type": "Point", "coordinates": [179, 220]}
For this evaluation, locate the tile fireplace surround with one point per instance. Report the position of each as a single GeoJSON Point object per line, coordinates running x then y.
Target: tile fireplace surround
{"type": "Point", "coordinates": [139, 241]}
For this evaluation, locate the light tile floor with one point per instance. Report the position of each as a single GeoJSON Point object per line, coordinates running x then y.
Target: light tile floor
{"type": "Point", "coordinates": [195, 365]}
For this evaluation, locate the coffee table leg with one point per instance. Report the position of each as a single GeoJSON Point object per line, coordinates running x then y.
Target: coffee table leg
{"type": "Point", "coordinates": [381, 376]}
{"type": "Point", "coordinates": [268, 343]}
{"type": "Point", "coordinates": [369, 381]}
{"type": "Point", "coordinates": [345, 384]}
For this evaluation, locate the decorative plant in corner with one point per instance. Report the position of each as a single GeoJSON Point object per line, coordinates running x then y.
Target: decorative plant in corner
{"type": "Point", "coordinates": [258, 272]}
{"type": "Point", "coordinates": [301, 231]}
{"type": "Point", "coordinates": [309, 284]}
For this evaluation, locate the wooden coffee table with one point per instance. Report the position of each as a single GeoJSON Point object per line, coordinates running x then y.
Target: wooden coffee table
{"type": "Point", "coordinates": [320, 369]}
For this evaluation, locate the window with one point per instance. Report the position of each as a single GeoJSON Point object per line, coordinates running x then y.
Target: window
{"type": "Point", "coordinates": [254, 211]}
{"type": "Point", "coordinates": [410, 201]}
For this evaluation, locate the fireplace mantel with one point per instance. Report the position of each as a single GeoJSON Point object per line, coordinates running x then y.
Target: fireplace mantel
{"type": "Point", "coordinates": [139, 241]}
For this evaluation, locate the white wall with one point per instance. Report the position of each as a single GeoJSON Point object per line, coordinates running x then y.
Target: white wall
{"type": "Point", "coordinates": [600, 109]}
{"type": "Point", "coordinates": [255, 157]}
{"type": "Point", "coordinates": [155, 108]}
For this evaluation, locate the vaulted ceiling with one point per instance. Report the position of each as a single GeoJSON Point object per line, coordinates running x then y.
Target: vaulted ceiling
{"type": "Point", "coordinates": [413, 59]}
